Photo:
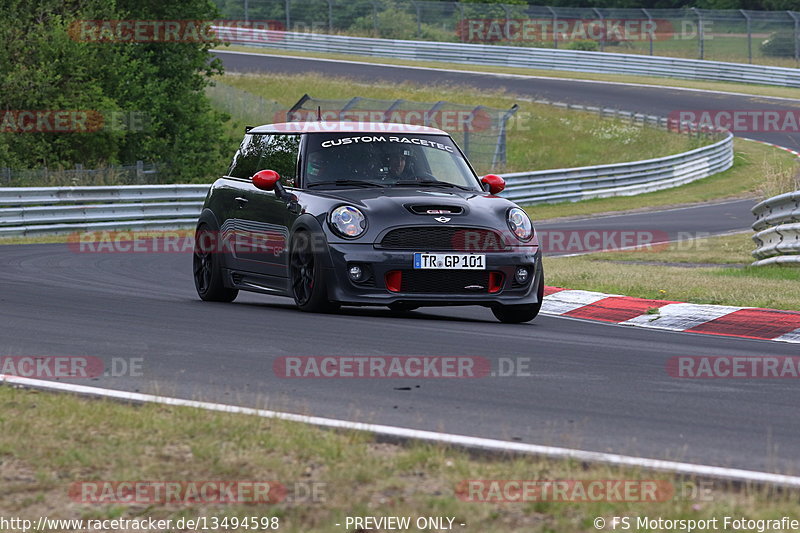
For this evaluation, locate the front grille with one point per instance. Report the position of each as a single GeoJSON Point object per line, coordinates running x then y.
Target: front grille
{"type": "Point", "coordinates": [444, 281]}
{"type": "Point", "coordinates": [435, 238]}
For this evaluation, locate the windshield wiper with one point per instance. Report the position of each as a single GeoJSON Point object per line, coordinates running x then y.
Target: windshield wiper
{"type": "Point", "coordinates": [356, 183]}
{"type": "Point", "coordinates": [430, 183]}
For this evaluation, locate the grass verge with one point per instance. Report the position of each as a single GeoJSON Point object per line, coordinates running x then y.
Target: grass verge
{"type": "Point", "coordinates": [743, 88]}
{"type": "Point", "coordinates": [713, 270]}
{"type": "Point", "coordinates": [49, 442]}
{"type": "Point", "coordinates": [540, 136]}
{"type": "Point", "coordinates": [757, 170]}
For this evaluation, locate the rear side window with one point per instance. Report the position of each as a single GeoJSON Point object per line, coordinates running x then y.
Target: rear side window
{"type": "Point", "coordinates": [276, 152]}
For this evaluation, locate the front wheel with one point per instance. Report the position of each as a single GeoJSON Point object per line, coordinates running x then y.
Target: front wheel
{"type": "Point", "coordinates": [307, 278]}
{"type": "Point", "coordinates": [516, 314]}
{"type": "Point", "coordinates": [208, 269]}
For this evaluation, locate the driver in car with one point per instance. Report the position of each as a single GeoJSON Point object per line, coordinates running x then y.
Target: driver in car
{"type": "Point", "coordinates": [397, 164]}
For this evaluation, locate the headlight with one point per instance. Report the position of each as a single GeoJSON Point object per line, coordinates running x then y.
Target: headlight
{"type": "Point", "coordinates": [520, 224]}
{"type": "Point", "coordinates": [348, 221]}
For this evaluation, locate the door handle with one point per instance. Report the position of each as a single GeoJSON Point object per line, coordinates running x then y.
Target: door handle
{"type": "Point", "coordinates": [242, 201]}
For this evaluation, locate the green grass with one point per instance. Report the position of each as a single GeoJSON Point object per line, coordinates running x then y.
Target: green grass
{"type": "Point", "coordinates": [50, 441]}
{"type": "Point", "coordinates": [540, 136]}
{"type": "Point", "coordinates": [744, 88]}
{"type": "Point", "coordinates": [684, 272]}
{"type": "Point", "coordinates": [755, 168]}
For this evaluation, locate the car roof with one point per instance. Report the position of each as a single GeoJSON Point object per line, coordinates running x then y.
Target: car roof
{"type": "Point", "coordinates": [345, 127]}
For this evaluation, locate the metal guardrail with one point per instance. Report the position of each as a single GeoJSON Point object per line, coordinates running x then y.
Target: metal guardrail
{"type": "Point", "coordinates": [620, 179]}
{"type": "Point", "coordinates": [778, 230]}
{"type": "Point", "coordinates": [47, 210]}
{"type": "Point", "coordinates": [521, 57]}
{"type": "Point", "coordinates": [50, 210]}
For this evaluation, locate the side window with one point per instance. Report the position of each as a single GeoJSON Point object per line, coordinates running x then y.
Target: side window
{"type": "Point", "coordinates": [245, 161]}
{"type": "Point", "coordinates": [279, 153]}
{"type": "Point", "coordinates": [262, 152]}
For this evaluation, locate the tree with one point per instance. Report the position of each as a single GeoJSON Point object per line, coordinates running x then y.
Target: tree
{"type": "Point", "coordinates": [49, 65]}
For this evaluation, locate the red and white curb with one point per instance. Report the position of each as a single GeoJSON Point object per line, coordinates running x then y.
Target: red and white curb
{"type": "Point", "coordinates": [748, 322]}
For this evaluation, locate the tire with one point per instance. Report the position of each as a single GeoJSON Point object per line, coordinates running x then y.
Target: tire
{"type": "Point", "coordinates": [516, 314]}
{"type": "Point", "coordinates": [207, 268]}
{"type": "Point", "coordinates": [307, 279]}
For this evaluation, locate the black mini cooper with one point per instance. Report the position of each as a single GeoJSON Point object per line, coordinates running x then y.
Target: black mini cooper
{"type": "Point", "coordinates": [343, 213]}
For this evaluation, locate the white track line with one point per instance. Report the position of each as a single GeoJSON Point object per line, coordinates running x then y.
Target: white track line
{"type": "Point", "coordinates": [518, 76]}
{"type": "Point", "coordinates": [690, 469]}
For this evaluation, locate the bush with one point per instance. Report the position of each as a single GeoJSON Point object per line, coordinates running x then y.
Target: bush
{"type": "Point", "coordinates": [585, 45]}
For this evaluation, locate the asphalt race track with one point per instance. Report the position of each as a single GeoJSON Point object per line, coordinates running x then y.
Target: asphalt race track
{"type": "Point", "coordinates": [591, 385]}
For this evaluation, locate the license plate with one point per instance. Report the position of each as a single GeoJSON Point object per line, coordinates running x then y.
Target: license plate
{"type": "Point", "coordinates": [450, 261]}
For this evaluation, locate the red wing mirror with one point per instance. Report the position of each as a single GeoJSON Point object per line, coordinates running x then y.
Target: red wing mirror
{"type": "Point", "coordinates": [496, 183]}
{"type": "Point", "coordinates": [266, 179]}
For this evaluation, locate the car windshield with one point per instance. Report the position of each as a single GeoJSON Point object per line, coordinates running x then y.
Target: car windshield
{"type": "Point", "coordinates": [385, 160]}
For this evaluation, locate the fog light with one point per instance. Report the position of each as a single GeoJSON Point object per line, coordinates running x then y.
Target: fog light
{"type": "Point", "coordinates": [521, 276]}
{"type": "Point", "coordinates": [355, 272]}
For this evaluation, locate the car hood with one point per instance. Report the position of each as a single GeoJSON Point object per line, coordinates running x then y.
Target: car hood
{"type": "Point", "coordinates": [414, 206]}
{"type": "Point", "coordinates": [411, 203]}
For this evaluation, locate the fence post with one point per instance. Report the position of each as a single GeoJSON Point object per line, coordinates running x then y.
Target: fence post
{"type": "Point", "coordinates": [140, 172]}
{"type": "Point", "coordinates": [288, 4]}
{"type": "Point", "coordinates": [602, 22]}
{"type": "Point", "coordinates": [555, 33]}
{"type": "Point", "coordinates": [500, 149]}
{"type": "Point", "coordinates": [749, 36]}
{"type": "Point", "coordinates": [700, 39]}
{"type": "Point", "coordinates": [419, 18]}
{"type": "Point", "coordinates": [796, 35]}
{"type": "Point", "coordinates": [460, 20]}
{"type": "Point", "coordinates": [330, 16]}
{"type": "Point", "coordinates": [650, 20]}
{"type": "Point", "coordinates": [375, 18]}
{"type": "Point", "coordinates": [6, 174]}
{"type": "Point", "coordinates": [246, 10]}
{"type": "Point", "coordinates": [507, 25]}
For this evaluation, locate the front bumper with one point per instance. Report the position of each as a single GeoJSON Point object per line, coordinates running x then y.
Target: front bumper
{"type": "Point", "coordinates": [381, 261]}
